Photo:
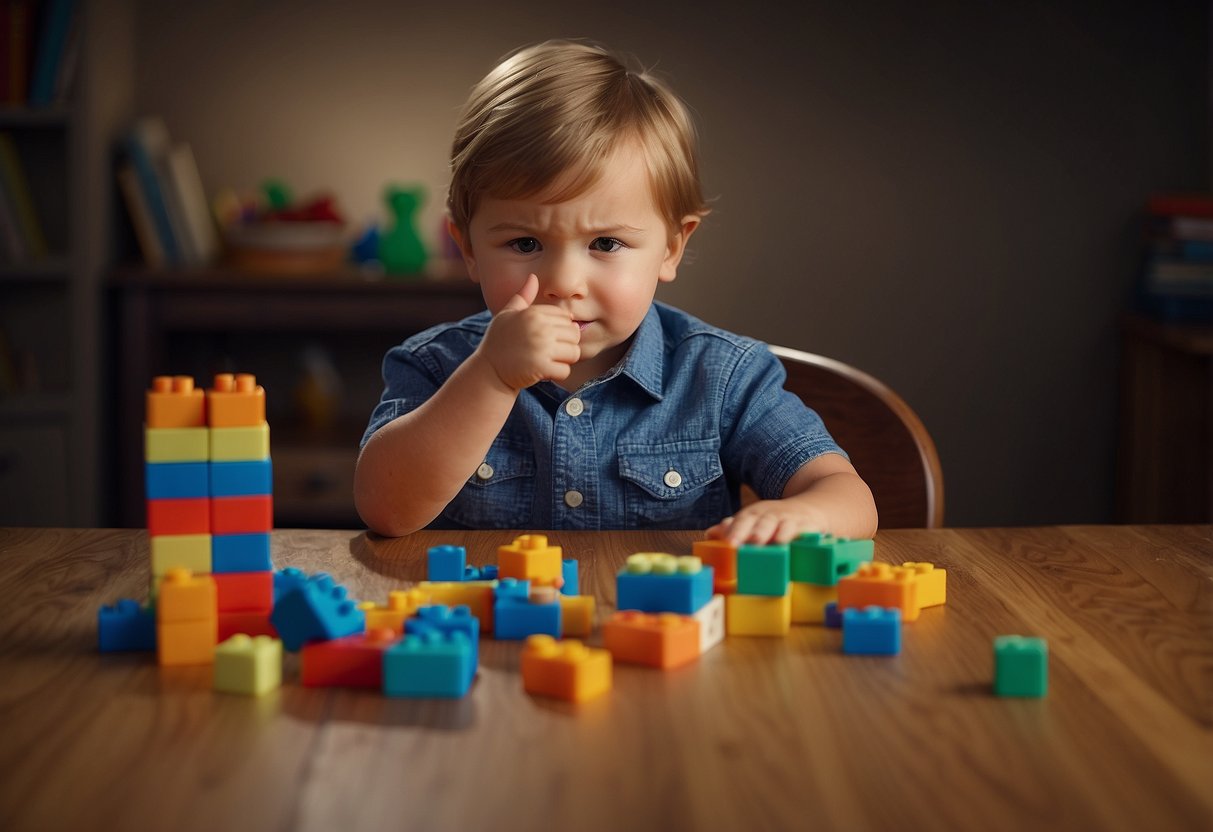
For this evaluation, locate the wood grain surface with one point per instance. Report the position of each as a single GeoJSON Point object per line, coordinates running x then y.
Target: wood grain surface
{"type": "Point", "coordinates": [757, 734]}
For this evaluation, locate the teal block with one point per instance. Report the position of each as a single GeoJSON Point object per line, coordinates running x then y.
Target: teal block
{"type": "Point", "coordinates": [822, 558]}
{"type": "Point", "coordinates": [763, 570]}
{"type": "Point", "coordinates": [428, 665]}
{"type": "Point", "coordinates": [1021, 666]}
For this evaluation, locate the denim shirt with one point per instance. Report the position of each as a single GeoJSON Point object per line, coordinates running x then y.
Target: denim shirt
{"type": "Point", "coordinates": [662, 440]}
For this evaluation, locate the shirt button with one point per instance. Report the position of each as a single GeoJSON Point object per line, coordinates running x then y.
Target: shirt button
{"type": "Point", "coordinates": [574, 407]}
{"type": "Point", "coordinates": [485, 471]}
{"type": "Point", "coordinates": [673, 479]}
{"type": "Point", "coordinates": [572, 499]}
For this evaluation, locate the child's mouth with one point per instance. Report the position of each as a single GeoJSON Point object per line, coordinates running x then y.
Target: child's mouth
{"type": "Point", "coordinates": [582, 324]}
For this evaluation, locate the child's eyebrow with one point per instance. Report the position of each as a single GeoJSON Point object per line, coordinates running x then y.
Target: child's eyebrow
{"type": "Point", "coordinates": [613, 229]}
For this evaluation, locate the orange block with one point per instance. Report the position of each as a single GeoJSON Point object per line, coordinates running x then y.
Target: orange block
{"type": "Point", "coordinates": [181, 516]}
{"type": "Point", "coordinates": [880, 585]}
{"type": "Point", "coordinates": [662, 640]}
{"type": "Point", "coordinates": [174, 402]}
{"type": "Point", "coordinates": [249, 623]}
{"type": "Point", "coordinates": [242, 515]}
{"type": "Point", "coordinates": [244, 592]}
{"type": "Point", "coordinates": [576, 615]}
{"type": "Point", "coordinates": [530, 558]}
{"type": "Point", "coordinates": [722, 557]}
{"type": "Point", "coordinates": [932, 583]}
{"type": "Point", "coordinates": [187, 642]}
{"type": "Point", "coordinates": [564, 669]}
{"type": "Point", "coordinates": [401, 604]}
{"type": "Point", "coordinates": [236, 401]}
{"type": "Point", "coordinates": [185, 596]}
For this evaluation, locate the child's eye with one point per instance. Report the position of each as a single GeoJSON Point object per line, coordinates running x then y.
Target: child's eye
{"type": "Point", "coordinates": [607, 245]}
{"type": "Point", "coordinates": [524, 245]}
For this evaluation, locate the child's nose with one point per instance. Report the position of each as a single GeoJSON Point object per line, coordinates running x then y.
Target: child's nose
{"type": "Point", "coordinates": [561, 282]}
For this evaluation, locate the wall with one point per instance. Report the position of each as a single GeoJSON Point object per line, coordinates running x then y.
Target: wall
{"type": "Point", "coordinates": [944, 194]}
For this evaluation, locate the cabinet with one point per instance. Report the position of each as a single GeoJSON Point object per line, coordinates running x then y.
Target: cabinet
{"type": "Point", "coordinates": [207, 321]}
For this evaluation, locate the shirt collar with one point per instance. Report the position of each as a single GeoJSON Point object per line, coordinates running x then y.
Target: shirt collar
{"type": "Point", "coordinates": [646, 357]}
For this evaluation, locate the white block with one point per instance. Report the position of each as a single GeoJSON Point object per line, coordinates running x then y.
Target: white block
{"type": "Point", "coordinates": [711, 623]}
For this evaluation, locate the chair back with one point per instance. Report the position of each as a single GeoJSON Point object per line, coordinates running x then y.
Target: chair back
{"type": "Point", "coordinates": [887, 442]}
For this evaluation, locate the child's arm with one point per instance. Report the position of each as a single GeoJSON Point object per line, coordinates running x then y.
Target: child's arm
{"type": "Point", "coordinates": [414, 465]}
{"type": "Point", "coordinates": [824, 495]}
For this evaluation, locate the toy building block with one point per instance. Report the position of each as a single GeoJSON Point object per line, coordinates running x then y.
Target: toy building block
{"type": "Point", "coordinates": [833, 618]}
{"type": "Point", "coordinates": [823, 559]}
{"type": "Point", "coordinates": [188, 551]}
{"type": "Point", "coordinates": [401, 603]}
{"type": "Point", "coordinates": [240, 479]}
{"type": "Point", "coordinates": [176, 444]}
{"type": "Point", "coordinates": [174, 402]}
{"type": "Point", "coordinates": [655, 582]}
{"type": "Point", "coordinates": [478, 596]}
{"type": "Point", "coordinates": [488, 572]}
{"type": "Point", "coordinates": [763, 570]}
{"type": "Point", "coordinates": [576, 615]}
{"type": "Point", "coordinates": [352, 662]}
{"type": "Point", "coordinates": [428, 665]}
{"type": "Point", "coordinates": [516, 617]}
{"type": "Point", "coordinates": [880, 585]}
{"type": "Point", "coordinates": [564, 669]}
{"type": "Point", "coordinates": [241, 553]}
{"type": "Point", "coordinates": [711, 623]}
{"type": "Point", "coordinates": [530, 558]}
{"type": "Point", "coordinates": [248, 665]}
{"type": "Point", "coordinates": [125, 626]}
{"type": "Point", "coordinates": [871, 631]}
{"type": "Point", "coordinates": [236, 401]}
{"type": "Point", "coordinates": [445, 563]}
{"type": "Point", "coordinates": [809, 602]}
{"type": "Point", "coordinates": [664, 640]}
{"type": "Point", "coordinates": [568, 572]}
{"type": "Point", "coordinates": [256, 623]}
{"type": "Point", "coordinates": [240, 444]}
{"type": "Point", "coordinates": [185, 597]}
{"type": "Point", "coordinates": [170, 517]}
{"type": "Point", "coordinates": [758, 615]}
{"type": "Point", "coordinates": [175, 480]}
{"type": "Point", "coordinates": [932, 584]}
{"type": "Point", "coordinates": [242, 515]}
{"type": "Point", "coordinates": [722, 557]}
{"type": "Point", "coordinates": [1021, 666]}
{"type": "Point", "coordinates": [315, 609]}
{"type": "Point", "coordinates": [288, 579]}
{"type": "Point", "coordinates": [187, 626]}
{"type": "Point", "coordinates": [446, 619]}
{"type": "Point", "coordinates": [244, 591]}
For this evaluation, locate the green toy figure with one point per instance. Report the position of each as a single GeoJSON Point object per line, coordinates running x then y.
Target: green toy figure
{"type": "Point", "coordinates": [400, 249]}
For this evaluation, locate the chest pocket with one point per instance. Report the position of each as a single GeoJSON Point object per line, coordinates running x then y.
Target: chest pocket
{"type": "Point", "coordinates": [674, 485]}
{"type": "Point", "coordinates": [501, 494]}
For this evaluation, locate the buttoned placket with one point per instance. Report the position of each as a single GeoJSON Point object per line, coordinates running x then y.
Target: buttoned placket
{"type": "Point", "coordinates": [575, 486]}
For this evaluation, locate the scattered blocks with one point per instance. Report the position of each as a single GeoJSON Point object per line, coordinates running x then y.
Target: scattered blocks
{"type": "Point", "coordinates": [568, 572]}
{"type": "Point", "coordinates": [833, 618]}
{"type": "Point", "coordinates": [352, 662]}
{"type": "Point", "coordinates": [655, 582]}
{"type": "Point", "coordinates": [809, 602]}
{"type": "Point", "coordinates": [564, 669]}
{"type": "Point", "coordinates": [247, 665]}
{"type": "Point", "coordinates": [758, 615]}
{"type": "Point", "coordinates": [315, 609]}
{"type": "Point", "coordinates": [880, 585]}
{"type": "Point", "coordinates": [664, 640]}
{"type": "Point", "coordinates": [1021, 666]}
{"type": "Point", "coordinates": [871, 631]}
{"type": "Point", "coordinates": [445, 563]}
{"type": "Point", "coordinates": [722, 557]}
{"type": "Point", "coordinates": [447, 620]}
{"type": "Point", "coordinates": [576, 615]}
{"type": "Point", "coordinates": [932, 584]}
{"type": "Point", "coordinates": [538, 613]}
{"type": "Point", "coordinates": [530, 558]}
{"type": "Point", "coordinates": [401, 603]}
{"type": "Point", "coordinates": [429, 664]}
{"type": "Point", "coordinates": [711, 623]}
{"type": "Point", "coordinates": [763, 570]}
{"type": "Point", "coordinates": [824, 559]}
{"type": "Point", "coordinates": [477, 596]}
{"type": "Point", "coordinates": [125, 626]}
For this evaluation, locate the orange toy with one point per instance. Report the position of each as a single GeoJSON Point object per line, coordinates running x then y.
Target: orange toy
{"type": "Point", "coordinates": [662, 640]}
{"type": "Point", "coordinates": [530, 558]}
{"type": "Point", "coordinates": [880, 585]}
{"type": "Point", "coordinates": [190, 515]}
{"type": "Point", "coordinates": [932, 584]}
{"type": "Point", "coordinates": [401, 604]}
{"type": "Point", "coordinates": [245, 591]}
{"type": "Point", "coordinates": [564, 669]}
{"type": "Point", "coordinates": [174, 402]}
{"type": "Point", "coordinates": [236, 401]}
{"type": "Point", "coordinates": [722, 557]}
{"type": "Point", "coordinates": [477, 596]}
{"type": "Point", "coordinates": [242, 515]}
{"type": "Point", "coordinates": [187, 626]}
{"type": "Point", "coordinates": [576, 615]}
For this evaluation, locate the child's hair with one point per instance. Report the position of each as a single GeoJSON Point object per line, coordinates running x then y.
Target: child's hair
{"type": "Point", "coordinates": [556, 111]}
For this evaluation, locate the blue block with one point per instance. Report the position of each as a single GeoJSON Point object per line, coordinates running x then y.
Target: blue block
{"type": "Point", "coordinates": [516, 618]}
{"type": "Point", "coordinates": [287, 579]}
{"type": "Point", "coordinates": [679, 592]}
{"type": "Point", "coordinates": [568, 571]}
{"type": "Point", "coordinates": [871, 631]}
{"type": "Point", "coordinates": [125, 626]}
{"type": "Point", "coordinates": [444, 619]}
{"type": "Point", "coordinates": [431, 664]}
{"type": "Point", "coordinates": [445, 563]}
{"type": "Point", "coordinates": [176, 480]}
{"type": "Point", "coordinates": [241, 479]}
{"type": "Point", "coordinates": [833, 617]}
{"type": "Point", "coordinates": [511, 588]}
{"type": "Point", "coordinates": [316, 610]}
{"type": "Point", "coordinates": [241, 553]}
{"type": "Point", "coordinates": [480, 573]}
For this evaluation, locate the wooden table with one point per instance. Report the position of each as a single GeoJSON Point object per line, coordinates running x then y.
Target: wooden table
{"type": "Point", "coordinates": [758, 734]}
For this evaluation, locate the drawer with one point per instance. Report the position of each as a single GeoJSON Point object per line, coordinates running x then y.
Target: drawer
{"type": "Point", "coordinates": [33, 476]}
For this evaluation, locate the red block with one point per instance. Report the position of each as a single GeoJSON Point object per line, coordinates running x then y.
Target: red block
{"type": "Point", "coordinates": [249, 623]}
{"type": "Point", "coordinates": [244, 592]}
{"type": "Point", "coordinates": [350, 662]}
{"type": "Point", "coordinates": [242, 515]}
{"type": "Point", "coordinates": [183, 516]}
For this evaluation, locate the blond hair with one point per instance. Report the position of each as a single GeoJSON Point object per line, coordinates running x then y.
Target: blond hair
{"type": "Point", "coordinates": [555, 112]}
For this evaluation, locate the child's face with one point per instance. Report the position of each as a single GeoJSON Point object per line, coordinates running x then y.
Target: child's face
{"type": "Point", "coordinates": [599, 256]}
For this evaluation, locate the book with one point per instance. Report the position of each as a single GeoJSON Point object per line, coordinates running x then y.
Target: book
{"type": "Point", "coordinates": [51, 44]}
{"type": "Point", "coordinates": [145, 145]}
{"type": "Point", "coordinates": [141, 216]}
{"type": "Point", "coordinates": [16, 189]}
{"type": "Point", "coordinates": [188, 203]}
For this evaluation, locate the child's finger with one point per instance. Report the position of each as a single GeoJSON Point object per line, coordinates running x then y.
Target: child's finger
{"type": "Point", "coordinates": [525, 297]}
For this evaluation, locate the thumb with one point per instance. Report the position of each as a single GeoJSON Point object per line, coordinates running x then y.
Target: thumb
{"type": "Point", "coordinates": [525, 297]}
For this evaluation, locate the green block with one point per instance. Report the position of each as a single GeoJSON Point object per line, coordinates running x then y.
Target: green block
{"type": "Point", "coordinates": [763, 570]}
{"type": "Point", "coordinates": [1021, 666]}
{"type": "Point", "coordinates": [822, 558]}
{"type": "Point", "coordinates": [249, 666]}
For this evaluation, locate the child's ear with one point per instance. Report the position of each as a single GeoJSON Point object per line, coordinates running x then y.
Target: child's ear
{"type": "Point", "coordinates": [465, 248]}
{"type": "Point", "coordinates": [676, 248]}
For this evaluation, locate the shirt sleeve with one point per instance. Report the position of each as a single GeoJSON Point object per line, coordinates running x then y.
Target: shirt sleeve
{"type": "Point", "coordinates": [408, 382]}
{"type": "Point", "coordinates": [768, 433]}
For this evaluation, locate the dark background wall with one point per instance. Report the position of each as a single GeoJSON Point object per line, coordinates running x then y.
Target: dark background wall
{"type": "Point", "coordinates": [945, 194]}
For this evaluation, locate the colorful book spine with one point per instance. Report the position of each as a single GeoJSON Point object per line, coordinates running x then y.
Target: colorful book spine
{"type": "Point", "coordinates": [52, 44]}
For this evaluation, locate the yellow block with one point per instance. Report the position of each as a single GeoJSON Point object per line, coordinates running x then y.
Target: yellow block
{"type": "Point", "coordinates": [477, 595]}
{"type": "Point", "coordinates": [401, 604]}
{"type": "Point", "coordinates": [530, 558]}
{"type": "Point", "coordinates": [251, 666]}
{"type": "Point", "coordinates": [809, 602]}
{"type": "Point", "coordinates": [932, 583]}
{"type": "Point", "coordinates": [190, 551]}
{"type": "Point", "coordinates": [240, 444]}
{"type": "Point", "coordinates": [176, 444]}
{"type": "Point", "coordinates": [576, 615]}
{"type": "Point", "coordinates": [758, 615]}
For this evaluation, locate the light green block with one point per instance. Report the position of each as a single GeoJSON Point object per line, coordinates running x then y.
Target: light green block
{"type": "Point", "coordinates": [248, 665]}
{"type": "Point", "coordinates": [241, 444]}
{"type": "Point", "coordinates": [763, 570]}
{"type": "Point", "coordinates": [822, 558]}
{"type": "Point", "coordinates": [176, 444]}
{"type": "Point", "coordinates": [192, 551]}
{"type": "Point", "coordinates": [1021, 666]}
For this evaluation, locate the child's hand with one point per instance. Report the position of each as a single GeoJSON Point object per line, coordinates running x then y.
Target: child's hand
{"type": "Point", "coordinates": [526, 343]}
{"type": "Point", "coordinates": [768, 521]}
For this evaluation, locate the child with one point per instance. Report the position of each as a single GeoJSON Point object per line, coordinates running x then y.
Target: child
{"type": "Point", "coordinates": [576, 401]}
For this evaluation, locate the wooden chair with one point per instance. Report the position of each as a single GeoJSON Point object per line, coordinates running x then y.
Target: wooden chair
{"type": "Point", "coordinates": [885, 439]}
